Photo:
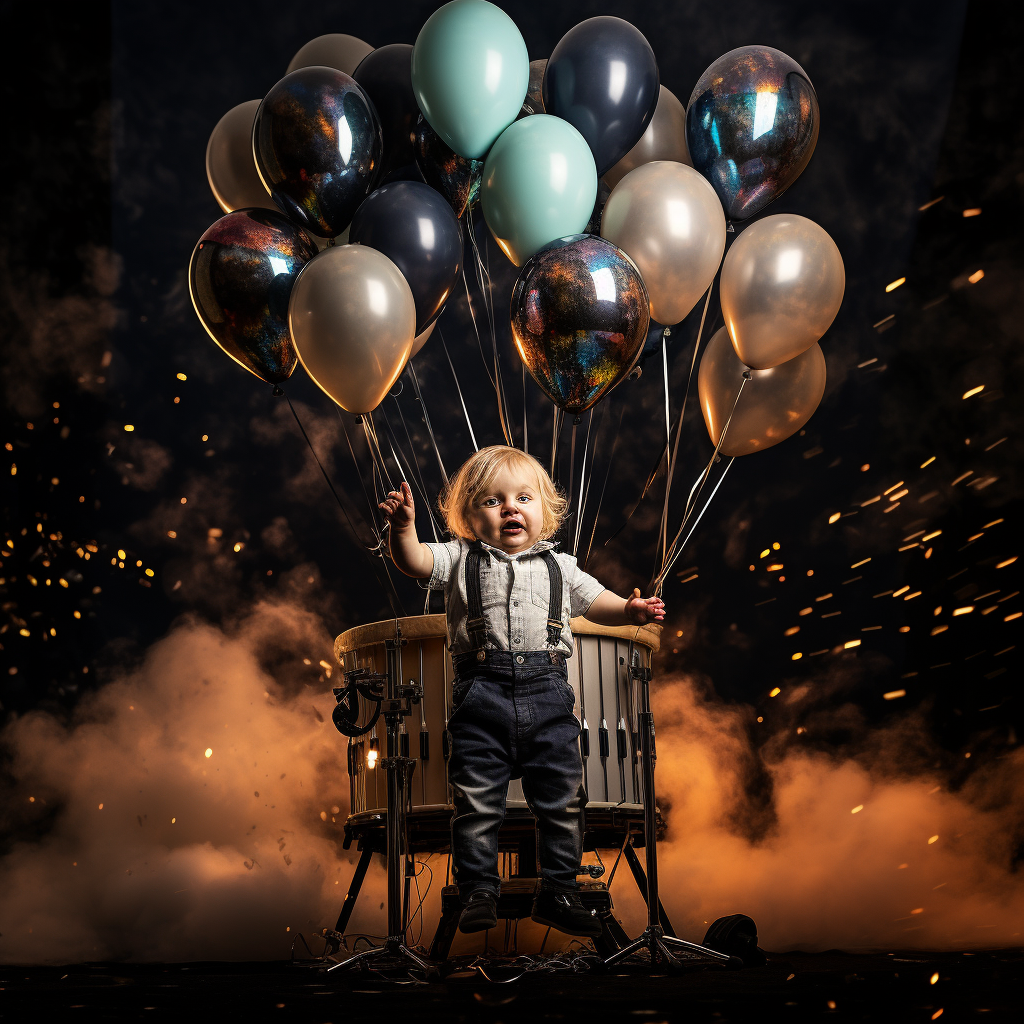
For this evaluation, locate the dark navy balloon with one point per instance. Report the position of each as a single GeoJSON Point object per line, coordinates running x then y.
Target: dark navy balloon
{"type": "Point", "coordinates": [318, 148]}
{"type": "Point", "coordinates": [579, 319]}
{"type": "Point", "coordinates": [603, 79]}
{"type": "Point", "coordinates": [385, 76]}
{"type": "Point", "coordinates": [416, 229]}
{"type": "Point", "coordinates": [751, 127]}
{"type": "Point", "coordinates": [457, 178]}
{"type": "Point", "coordinates": [240, 278]}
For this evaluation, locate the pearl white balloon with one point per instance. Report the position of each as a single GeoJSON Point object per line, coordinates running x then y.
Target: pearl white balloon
{"type": "Point", "coordinates": [667, 218]}
{"type": "Point", "coordinates": [665, 139]}
{"type": "Point", "coordinates": [782, 286]}
{"type": "Point", "coordinates": [230, 165]}
{"type": "Point", "coordinates": [353, 320]}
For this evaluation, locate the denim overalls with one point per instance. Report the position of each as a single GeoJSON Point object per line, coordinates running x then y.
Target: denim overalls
{"type": "Point", "coordinates": [513, 717]}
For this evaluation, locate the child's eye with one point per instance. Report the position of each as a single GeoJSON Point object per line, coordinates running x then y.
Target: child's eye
{"type": "Point", "coordinates": [524, 497]}
{"type": "Point", "coordinates": [490, 501]}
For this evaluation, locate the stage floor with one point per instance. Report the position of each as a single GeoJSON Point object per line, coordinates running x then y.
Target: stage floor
{"type": "Point", "coordinates": [982, 985]}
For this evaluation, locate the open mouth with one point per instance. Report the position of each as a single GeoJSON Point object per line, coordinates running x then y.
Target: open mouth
{"type": "Point", "coordinates": [512, 528]}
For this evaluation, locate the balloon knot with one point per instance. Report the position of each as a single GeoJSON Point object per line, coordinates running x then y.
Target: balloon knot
{"type": "Point", "coordinates": [576, 422]}
{"type": "Point", "coordinates": [278, 391]}
{"type": "Point", "coordinates": [359, 419]}
{"type": "Point", "coordinates": [747, 375]}
{"type": "Point", "coordinates": [331, 243]}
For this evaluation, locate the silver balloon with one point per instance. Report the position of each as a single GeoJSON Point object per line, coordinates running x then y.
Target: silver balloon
{"type": "Point", "coordinates": [667, 219]}
{"type": "Point", "coordinates": [352, 318]}
{"type": "Point", "coordinates": [334, 50]}
{"type": "Point", "coordinates": [774, 403]}
{"type": "Point", "coordinates": [782, 286]}
{"type": "Point", "coordinates": [665, 139]}
{"type": "Point", "coordinates": [230, 167]}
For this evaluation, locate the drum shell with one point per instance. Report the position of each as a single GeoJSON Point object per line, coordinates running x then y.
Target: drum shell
{"type": "Point", "coordinates": [598, 673]}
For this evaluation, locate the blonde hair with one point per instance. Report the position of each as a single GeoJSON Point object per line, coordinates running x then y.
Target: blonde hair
{"type": "Point", "coordinates": [477, 474]}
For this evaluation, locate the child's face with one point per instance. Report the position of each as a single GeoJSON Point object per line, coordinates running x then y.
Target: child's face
{"type": "Point", "coordinates": [508, 515]}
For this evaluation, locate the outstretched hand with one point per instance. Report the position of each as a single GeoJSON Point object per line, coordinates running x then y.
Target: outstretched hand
{"type": "Point", "coordinates": [398, 508]}
{"type": "Point", "coordinates": [641, 610]}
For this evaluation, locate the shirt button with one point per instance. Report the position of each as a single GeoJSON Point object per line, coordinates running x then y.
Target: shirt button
{"type": "Point", "coordinates": [516, 603]}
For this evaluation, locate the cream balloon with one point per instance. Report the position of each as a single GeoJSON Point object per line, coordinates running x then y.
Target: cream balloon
{"type": "Point", "coordinates": [782, 286]}
{"type": "Point", "coordinates": [334, 50]}
{"type": "Point", "coordinates": [774, 404]}
{"type": "Point", "coordinates": [421, 339]}
{"type": "Point", "coordinates": [230, 166]}
{"type": "Point", "coordinates": [667, 219]}
{"type": "Point", "coordinates": [352, 318]}
{"type": "Point", "coordinates": [665, 139]}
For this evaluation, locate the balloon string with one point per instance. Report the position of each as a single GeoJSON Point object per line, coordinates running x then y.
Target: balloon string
{"type": "Point", "coordinates": [583, 489]}
{"type": "Point", "coordinates": [572, 461]}
{"type": "Point", "coordinates": [692, 503]}
{"type": "Point", "coordinates": [643, 494]}
{"type": "Point", "coordinates": [526, 432]}
{"type": "Point", "coordinates": [410, 466]}
{"type": "Point", "coordinates": [375, 453]}
{"type": "Point", "coordinates": [663, 533]}
{"type": "Point", "coordinates": [483, 281]}
{"type": "Point", "coordinates": [377, 548]}
{"type": "Point", "coordinates": [556, 430]}
{"type": "Point", "coordinates": [673, 461]}
{"type": "Point", "coordinates": [661, 578]}
{"type": "Point", "coordinates": [426, 420]}
{"type": "Point", "coordinates": [604, 486]}
{"type": "Point", "coordinates": [355, 462]}
{"type": "Point", "coordinates": [462, 401]}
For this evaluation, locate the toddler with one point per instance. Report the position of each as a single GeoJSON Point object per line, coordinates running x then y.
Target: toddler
{"type": "Point", "coordinates": [508, 598]}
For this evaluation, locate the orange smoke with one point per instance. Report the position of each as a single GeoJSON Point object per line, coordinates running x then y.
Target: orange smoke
{"type": "Point", "coordinates": [229, 856]}
{"type": "Point", "coordinates": [156, 851]}
{"type": "Point", "coordinates": [843, 854]}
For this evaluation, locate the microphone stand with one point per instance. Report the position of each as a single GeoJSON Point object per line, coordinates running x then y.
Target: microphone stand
{"type": "Point", "coordinates": [396, 705]}
{"type": "Point", "coordinates": [659, 945]}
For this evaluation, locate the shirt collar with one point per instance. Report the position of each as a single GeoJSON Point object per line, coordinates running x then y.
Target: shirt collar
{"type": "Point", "coordinates": [540, 546]}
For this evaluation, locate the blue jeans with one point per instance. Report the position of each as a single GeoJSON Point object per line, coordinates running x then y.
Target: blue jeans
{"type": "Point", "coordinates": [513, 715]}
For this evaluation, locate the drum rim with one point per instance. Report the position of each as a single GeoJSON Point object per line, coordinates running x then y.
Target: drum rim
{"type": "Point", "coordinates": [434, 627]}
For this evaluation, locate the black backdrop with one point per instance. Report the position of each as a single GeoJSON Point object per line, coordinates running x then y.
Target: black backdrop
{"type": "Point", "coordinates": [104, 149]}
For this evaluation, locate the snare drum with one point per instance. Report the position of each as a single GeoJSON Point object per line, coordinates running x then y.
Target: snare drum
{"type": "Point", "coordinates": [605, 705]}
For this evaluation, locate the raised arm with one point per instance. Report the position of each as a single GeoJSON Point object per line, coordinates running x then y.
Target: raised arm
{"type": "Point", "coordinates": [609, 609]}
{"type": "Point", "coordinates": [407, 552]}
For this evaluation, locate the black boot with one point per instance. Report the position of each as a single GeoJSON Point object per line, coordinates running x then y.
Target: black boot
{"type": "Point", "coordinates": [480, 912]}
{"type": "Point", "coordinates": [563, 909]}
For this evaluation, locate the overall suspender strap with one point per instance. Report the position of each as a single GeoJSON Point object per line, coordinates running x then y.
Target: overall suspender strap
{"type": "Point", "coordinates": [475, 625]}
{"type": "Point", "coordinates": [554, 598]}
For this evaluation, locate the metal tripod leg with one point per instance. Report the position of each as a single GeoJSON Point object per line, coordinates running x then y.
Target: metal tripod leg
{"type": "Point", "coordinates": [654, 940]}
{"type": "Point", "coordinates": [334, 938]}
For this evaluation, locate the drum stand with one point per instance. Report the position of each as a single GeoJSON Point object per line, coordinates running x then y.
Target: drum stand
{"type": "Point", "coordinates": [395, 706]}
{"type": "Point", "coordinates": [654, 940]}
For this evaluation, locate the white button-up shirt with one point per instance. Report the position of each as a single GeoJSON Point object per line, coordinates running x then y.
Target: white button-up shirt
{"type": "Point", "coordinates": [514, 593]}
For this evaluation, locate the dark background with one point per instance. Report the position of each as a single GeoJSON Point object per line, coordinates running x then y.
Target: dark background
{"type": "Point", "coordinates": [106, 196]}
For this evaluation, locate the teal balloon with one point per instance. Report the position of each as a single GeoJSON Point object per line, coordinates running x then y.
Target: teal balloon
{"type": "Point", "coordinates": [540, 183]}
{"type": "Point", "coordinates": [470, 73]}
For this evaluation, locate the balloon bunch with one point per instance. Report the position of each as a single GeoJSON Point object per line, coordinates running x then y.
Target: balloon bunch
{"type": "Point", "coordinates": [613, 200]}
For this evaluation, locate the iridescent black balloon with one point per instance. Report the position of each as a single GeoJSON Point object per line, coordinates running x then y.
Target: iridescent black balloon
{"type": "Point", "coordinates": [318, 148]}
{"type": "Point", "coordinates": [751, 126]}
{"type": "Point", "coordinates": [240, 278]}
{"type": "Point", "coordinates": [579, 319]}
{"type": "Point", "coordinates": [455, 177]}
